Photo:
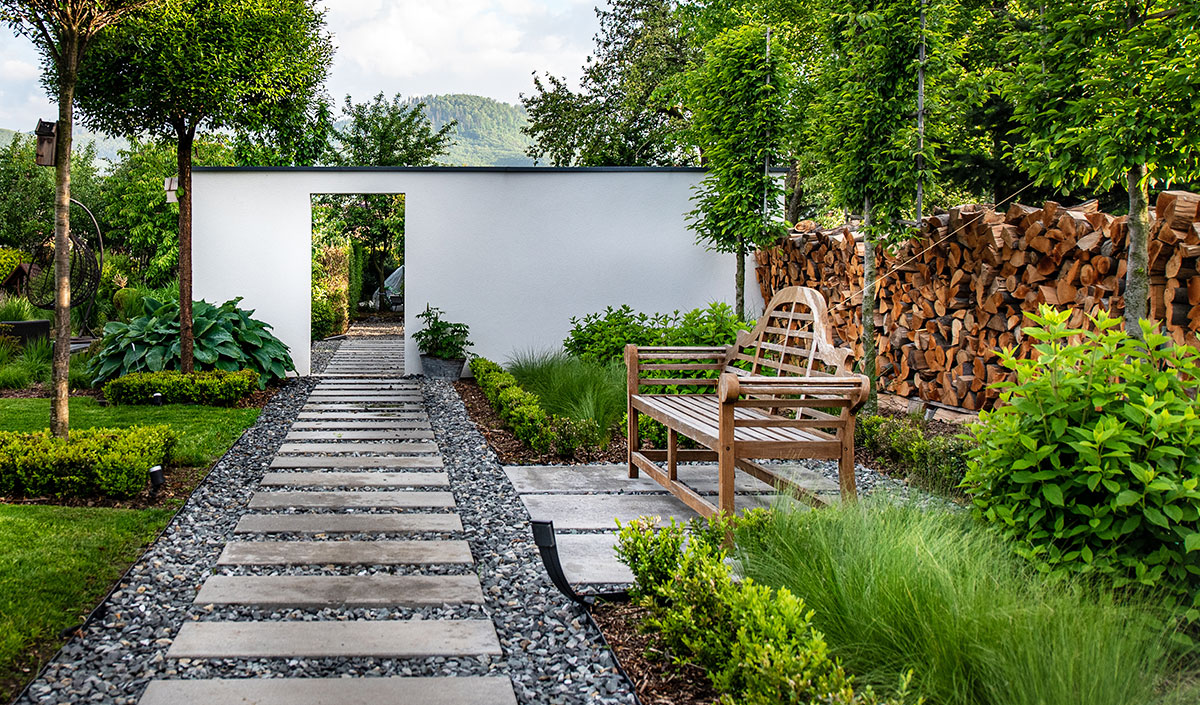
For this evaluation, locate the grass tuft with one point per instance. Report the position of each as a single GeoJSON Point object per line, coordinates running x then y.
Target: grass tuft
{"type": "Point", "coordinates": [895, 588]}
{"type": "Point", "coordinates": [571, 387]}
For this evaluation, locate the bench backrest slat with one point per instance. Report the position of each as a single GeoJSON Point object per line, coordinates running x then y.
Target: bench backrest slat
{"type": "Point", "coordinates": [791, 337]}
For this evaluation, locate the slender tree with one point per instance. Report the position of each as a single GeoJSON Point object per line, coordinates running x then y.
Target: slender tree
{"type": "Point", "coordinates": [1105, 93]}
{"type": "Point", "coordinates": [865, 127]}
{"type": "Point", "coordinates": [63, 31]}
{"type": "Point", "coordinates": [183, 66]}
{"type": "Point", "coordinates": [742, 116]}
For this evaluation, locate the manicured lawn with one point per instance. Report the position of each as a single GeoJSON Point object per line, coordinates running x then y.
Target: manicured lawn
{"type": "Point", "coordinates": [55, 564]}
{"type": "Point", "coordinates": [205, 432]}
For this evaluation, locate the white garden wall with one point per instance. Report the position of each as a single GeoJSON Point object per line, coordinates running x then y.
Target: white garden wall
{"type": "Point", "coordinates": [514, 253]}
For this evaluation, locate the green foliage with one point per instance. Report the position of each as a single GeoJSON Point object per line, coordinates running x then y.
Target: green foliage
{"type": "Point", "coordinates": [358, 264]}
{"type": "Point", "coordinates": [140, 220]}
{"type": "Point", "coordinates": [757, 644]}
{"type": "Point", "coordinates": [1092, 461]}
{"type": "Point", "coordinates": [227, 339]}
{"type": "Point", "coordinates": [935, 463]}
{"type": "Point", "coordinates": [9, 259]}
{"type": "Point", "coordinates": [27, 192]}
{"type": "Point", "coordinates": [486, 133]}
{"type": "Point", "coordinates": [390, 133]}
{"type": "Point", "coordinates": [442, 339]}
{"type": "Point", "coordinates": [576, 389]}
{"type": "Point", "coordinates": [523, 412]}
{"type": "Point", "coordinates": [213, 388]}
{"type": "Point", "coordinates": [94, 462]}
{"type": "Point", "coordinates": [17, 308]}
{"type": "Point", "coordinates": [602, 337]}
{"type": "Point", "coordinates": [619, 116]}
{"type": "Point", "coordinates": [1121, 78]}
{"type": "Point", "coordinates": [898, 589]}
{"type": "Point", "coordinates": [322, 319]}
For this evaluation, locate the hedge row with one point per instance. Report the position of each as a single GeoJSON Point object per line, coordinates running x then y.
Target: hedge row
{"type": "Point", "coordinates": [108, 462]}
{"type": "Point", "coordinates": [934, 463]}
{"type": "Point", "coordinates": [215, 388]}
{"type": "Point", "coordinates": [756, 644]}
{"type": "Point", "coordinates": [523, 413]}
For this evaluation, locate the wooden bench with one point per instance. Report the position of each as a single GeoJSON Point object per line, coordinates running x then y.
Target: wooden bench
{"type": "Point", "coordinates": [796, 399]}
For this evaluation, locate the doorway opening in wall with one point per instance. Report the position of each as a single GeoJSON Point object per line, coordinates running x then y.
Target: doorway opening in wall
{"type": "Point", "coordinates": [357, 261]}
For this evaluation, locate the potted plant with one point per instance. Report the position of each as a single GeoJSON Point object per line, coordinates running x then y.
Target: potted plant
{"type": "Point", "coordinates": [443, 345]}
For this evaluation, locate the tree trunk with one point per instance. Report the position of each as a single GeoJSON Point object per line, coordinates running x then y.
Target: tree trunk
{"type": "Point", "coordinates": [60, 369]}
{"type": "Point", "coordinates": [868, 309]}
{"type": "Point", "coordinates": [795, 192]}
{"type": "Point", "coordinates": [1137, 276]}
{"type": "Point", "coordinates": [183, 155]}
{"type": "Point", "coordinates": [740, 283]}
{"type": "Point", "coordinates": [385, 303]}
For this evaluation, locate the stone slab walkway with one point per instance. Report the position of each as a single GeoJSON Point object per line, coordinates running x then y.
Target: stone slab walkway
{"type": "Point", "coordinates": [585, 502]}
{"type": "Point", "coordinates": [359, 461]}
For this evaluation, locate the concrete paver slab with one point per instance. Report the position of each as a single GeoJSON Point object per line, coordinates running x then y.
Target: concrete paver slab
{"type": "Point", "coordinates": [591, 558]}
{"type": "Point", "coordinates": [351, 500]}
{"type": "Point", "coordinates": [348, 447]}
{"type": "Point", "coordinates": [355, 479]}
{"type": "Point", "coordinates": [599, 511]}
{"type": "Point", "coordinates": [357, 461]}
{"type": "Point", "coordinates": [346, 523]}
{"type": "Point", "coordinates": [394, 690]}
{"type": "Point", "coordinates": [381, 639]}
{"type": "Point", "coordinates": [301, 591]}
{"type": "Point", "coordinates": [359, 435]}
{"type": "Point", "coordinates": [345, 553]}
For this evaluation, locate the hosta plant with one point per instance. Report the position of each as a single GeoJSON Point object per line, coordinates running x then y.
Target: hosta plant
{"type": "Point", "coordinates": [226, 338]}
{"type": "Point", "coordinates": [1092, 460]}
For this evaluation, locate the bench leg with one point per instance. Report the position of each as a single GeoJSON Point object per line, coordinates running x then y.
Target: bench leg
{"type": "Point", "coordinates": [634, 441]}
{"type": "Point", "coordinates": [672, 455]}
{"type": "Point", "coordinates": [726, 460]}
{"type": "Point", "coordinates": [846, 481]}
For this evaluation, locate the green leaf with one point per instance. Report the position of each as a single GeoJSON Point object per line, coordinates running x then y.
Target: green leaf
{"type": "Point", "coordinates": [1054, 494]}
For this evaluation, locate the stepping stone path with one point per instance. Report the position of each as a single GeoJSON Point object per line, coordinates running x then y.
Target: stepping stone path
{"type": "Point", "coordinates": [361, 460]}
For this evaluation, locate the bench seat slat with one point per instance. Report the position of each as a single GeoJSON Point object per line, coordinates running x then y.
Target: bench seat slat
{"type": "Point", "coordinates": [697, 413]}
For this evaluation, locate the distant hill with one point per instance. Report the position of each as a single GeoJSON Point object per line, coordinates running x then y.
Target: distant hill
{"type": "Point", "coordinates": [488, 132]}
{"type": "Point", "coordinates": [106, 147]}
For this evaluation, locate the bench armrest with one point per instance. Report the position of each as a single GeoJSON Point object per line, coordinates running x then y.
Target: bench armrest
{"type": "Point", "coordinates": [854, 388]}
{"type": "Point", "coordinates": [704, 359]}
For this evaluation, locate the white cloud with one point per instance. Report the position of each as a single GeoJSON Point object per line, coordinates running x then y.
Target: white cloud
{"type": "Point", "coordinates": [412, 47]}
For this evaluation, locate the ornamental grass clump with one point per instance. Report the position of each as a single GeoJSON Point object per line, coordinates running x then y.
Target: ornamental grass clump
{"type": "Point", "coordinates": [1091, 462]}
{"type": "Point", "coordinates": [574, 388]}
{"type": "Point", "coordinates": [898, 589]}
{"type": "Point", "coordinates": [758, 645]}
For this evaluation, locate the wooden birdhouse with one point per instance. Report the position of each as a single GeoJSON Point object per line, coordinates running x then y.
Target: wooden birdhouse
{"type": "Point", "coordinates": [47, 134]}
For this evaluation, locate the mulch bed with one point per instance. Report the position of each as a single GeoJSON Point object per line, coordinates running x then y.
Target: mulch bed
{"type": "Point", "coordinates": [512, 451]}
{"type": "Point", "coordinates": [180, 483]}
{"type": "Point", "coordinates": [657, 681]}
{"type": "Point", "coordinates": [37, 390]}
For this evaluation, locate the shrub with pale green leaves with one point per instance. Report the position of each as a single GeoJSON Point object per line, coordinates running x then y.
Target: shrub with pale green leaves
{"type": "Point", "coordinates": [1092, 460]}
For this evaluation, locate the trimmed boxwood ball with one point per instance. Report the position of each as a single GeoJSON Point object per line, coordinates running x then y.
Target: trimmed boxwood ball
{"type": "Point", "coordinates": [212, 388]}
{"type": "Point", "coordinates": [105, 462]}
{"type": "Point", "coordinates": [226, 338]}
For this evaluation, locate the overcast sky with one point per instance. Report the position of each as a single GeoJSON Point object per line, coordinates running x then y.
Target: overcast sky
{"type": "Point", "coordinates": [413, 47]}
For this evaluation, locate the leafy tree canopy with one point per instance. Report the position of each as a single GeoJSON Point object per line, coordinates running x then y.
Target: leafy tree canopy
{"type": "Point", "coordinates": [392, 132]}
{"type": "Point", "coordinates": [27, 193]}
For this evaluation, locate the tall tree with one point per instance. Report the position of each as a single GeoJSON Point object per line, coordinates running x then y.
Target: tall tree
{"type": "Point", "coordinates": [63, 31]}
{"type": "Point", "coordinates": [618, 117]}
{"type": "Point", "coordinates": [185, 65]}
{"type": "Point", "coordinates": [742, 119]}
{"type": "Point", "coordinates": [1106, 92]}
{"type": "Point", "coordinates": [864, 123]}
{"type": "Point", "coordinates": [303, 139]}
{"type": "Point", "coordinates": [384, 132]}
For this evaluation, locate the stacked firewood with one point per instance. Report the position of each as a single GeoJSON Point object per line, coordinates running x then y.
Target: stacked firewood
{"type": "Point", "coordinates": [956, 293]}
{"type": "Point", "coordinates": [829, 261]}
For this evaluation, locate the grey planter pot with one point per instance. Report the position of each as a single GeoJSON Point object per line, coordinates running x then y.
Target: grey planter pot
{"type": "Point", "coordinates": [437, 368]}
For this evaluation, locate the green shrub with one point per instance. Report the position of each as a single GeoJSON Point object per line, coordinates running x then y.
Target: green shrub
{"type": "Point", "coordinates": [602, 337]}
{"type": "Point", "coordinates": [226, 338]}
{"type": "Point", "coordinates": [94, 462]}
{"type": "Point", "coordinates": [1092, 461]}
{"type": "Point", "coordinates": [523, 413]}
{"type": "Point", "coordinates": [77, 375]}
{"type": "Point", "coordinates": [127, 302]}
{"type": "Point", "coordinates": [322, 321]}
{"type": "Point", "coordinates": [9, 259]}
{"type": "Point", "coordinates": [898, 588]}
{"type": "Point", "coordinates": [934, 463]}
{"type": "Point", "coordinates": [441, 339]}
{"type": "Point", "coordinates": [214, 388]}
{"type": "Point", "coordinates": [15, 376]}
{"type": "Point", "coordinates": [590, 393]}
{"type": "Point", "coordinates": [756, 644]}
{"type": "Point", "coordinates": [17, 308]}
{"type": "Point", "coordinates": [358, 262]}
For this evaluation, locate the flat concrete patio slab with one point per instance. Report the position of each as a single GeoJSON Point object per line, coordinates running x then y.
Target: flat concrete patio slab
{"type": "Point", "coordinates": [395, 690]}
{"type": "Point", "coordinates": [614, 479]}
{"type": "Point", "coordinates": [599, 511]}
{"type": "Point", "coordinates": [592, 559]}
